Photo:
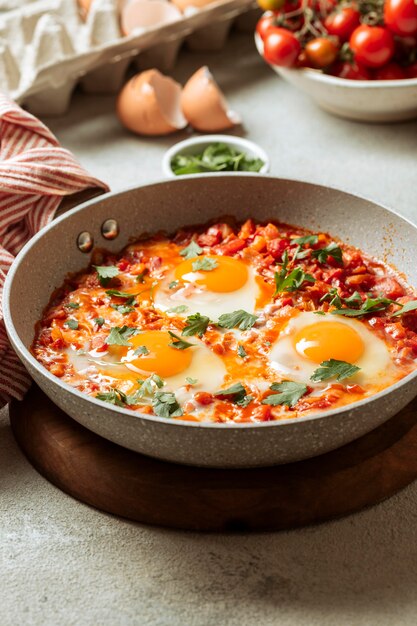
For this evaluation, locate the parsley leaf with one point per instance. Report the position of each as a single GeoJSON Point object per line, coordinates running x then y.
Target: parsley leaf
{"type": "Point", "coordinates": [216, 157]}
{"type": "Point", "coordinates": [140, 278]}
{"type": "Point", "coordinates": [292, 281]}
{"type": "Point", "coordinates": [196, 325]}
{"type": "Point", "coordinates": [191, 251]}
{"type": "Point", "coordinates": [191, 381]}
{"type": "Point", "coordinates": [236, 393]}
{"type": "Point", "coordinates": [119, 335]}
{"type": "Point", "coordinates": [99, 321]}
{"type": "Point", "coordinates": [355, 298]}
{"type": "Point", "coordinates": [181, 308]}
{"type": "Point", "coordinates": [205, 264]}
{"type": "Point", "coordinates": [408, 306]}
{"type": "Point", "coordinates": [123, 308]}
{"type": "Point", "coordinates": [334, 369]}
{"type": "Point", "coordinates": [173, 284]}
{"type": "Point", "coordinates": [106, 273]}
{"type": "Point", "coordinates": [332, 250]}
{"type": "Point", "coordinates": [311, 239]}
{"type": "Point", "coordinates": [241, 351]}
{"type": "Point", "coordinates": [73, 324]}
{"type": "Point", "coordinates": [141, 350]}
{"type": "Point", "coordinates": [147, 386]}
{"type": "Point", "coordinates": [165, 404]}
{"type": "Point", "coordinates": [371, 305]}
{"type": "Point", "coordinates": [73, 305]}
{"type": "Point", "coordinates": [121, 294]}
{"type": "Point", "coordinates": [238, 319]}
{"type": "Point", "coordinates": [178, 343]}
{"type": "Point", "coordinates": [289, 393]}
{"type": "Point", "coordinates": [333, 298]}
{"type": "Point", "coordinates": [115, 396]}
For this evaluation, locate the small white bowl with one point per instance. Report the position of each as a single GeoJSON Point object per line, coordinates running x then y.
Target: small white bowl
{"type": "Point", "coordinates": [196, 145]}
{"type": "Point", "coordinates": [361, 100]}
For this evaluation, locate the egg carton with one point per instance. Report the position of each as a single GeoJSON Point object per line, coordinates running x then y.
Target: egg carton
{"type": "Point", "coordinates": [46, 48]}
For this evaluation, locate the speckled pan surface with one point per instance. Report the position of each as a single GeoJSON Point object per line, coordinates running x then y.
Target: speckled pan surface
{"type": "Point", "coordinates": [44, 262]}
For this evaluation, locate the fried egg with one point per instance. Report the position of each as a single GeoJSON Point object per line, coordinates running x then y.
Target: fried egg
{"type": "Point", "coordinates": [123, 366]}
{"type": "Point", "coordinates": [231, 285]}
{"type": "Point", "coordinates": [309, 339]}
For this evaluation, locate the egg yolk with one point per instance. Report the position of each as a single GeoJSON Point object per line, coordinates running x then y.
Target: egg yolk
{"type": "Point", "coordinates": [229, 275]}
{"type": "Point", "coordinates": [161, 359]}
{"type": "Point", "coordinates": [330, 340]}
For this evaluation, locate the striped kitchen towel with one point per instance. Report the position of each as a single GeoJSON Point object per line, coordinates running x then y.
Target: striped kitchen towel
{"type": "Point", "coordinates": [36, 173]}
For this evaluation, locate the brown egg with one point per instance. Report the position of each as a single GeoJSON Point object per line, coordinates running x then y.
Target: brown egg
{"type": "Point", "coordinates": [184, 4]}
{"type": "Point", "coordinates": [138, 14]}
{"type": "Point", "coordinates": [149, 104]}
{"type": "Point", "coordinates": [204, 105]}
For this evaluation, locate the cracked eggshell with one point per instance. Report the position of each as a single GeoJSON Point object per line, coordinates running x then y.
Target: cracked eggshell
{"type": "Point", "coordinates": [204, 105]}
{"type": "Point", "coordinates": [149, 104]}
{"type": "Point", "coordinates": [143, 14]}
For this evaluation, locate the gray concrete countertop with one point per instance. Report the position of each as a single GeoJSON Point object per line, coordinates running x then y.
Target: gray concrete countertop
{"type": "Point", "coordinates": [65, 563]}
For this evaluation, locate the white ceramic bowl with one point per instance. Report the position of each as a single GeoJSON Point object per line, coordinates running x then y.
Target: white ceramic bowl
{"type": "Point", "coordinates": [362, 100]}
{"type": "Point", "coordinates": [195, 145]}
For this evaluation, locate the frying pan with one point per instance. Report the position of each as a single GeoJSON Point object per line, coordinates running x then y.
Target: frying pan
{"type": "Point", "coordinates": [44, 262]}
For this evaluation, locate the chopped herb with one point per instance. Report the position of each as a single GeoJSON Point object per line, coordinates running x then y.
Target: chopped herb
{"type": "Point", "coordinates": [119, 336]}
{"type": "Point", "coordinates": [292, 281]}
{"type": "Point", "coordinates": [99, 321]}
{"type": "Point", "coordinates": [332, 296]}
{"type": "Point", "coordinates": [115, 396]}
{"type": "Point", "coordinates": [238, 319]}
{"type": "Point", "coordinates": [355, 298]}
{"type": "Point", "coordinates": [191, 381]}
{"type": "Point", "coordinates": [310, 239]}
{"type": "Point", "coordinates": [181, 308]}
{"type": "Point", "coordinates": [334, 369]}
{"type": "Point", "coordinates": [289, 393]}
{"type": "Point", "coordinates": [173, 284]}
{"type": "Point", "coordinates": [236, 393]}
{"type": "Point", "coordinates": [191, 251]}
{"type": "Point", "coordinates": [319, 313]}
{"type": "Point", "coordinates": [241, 352]}
{"type": "Point", "coordinates": [300, 254]}
{"type": "Point", "coordinates": [196, 325]}
{"type": "Point", "coordinates": [332, 250]}
{"type": "Point", "coordinates": [141, 350]}
{"type": "Point", "coordinates": [147, 386]}
{"type": "Point", "coordinates": [205, 264]}
{"type": "Point", "coordinates": [106, 273]}
{"type": "Point", "coordinates": [371, 305]}
{"type": "Point", "coordinates": [73, 305]}
{"type": "Point", "coordinates": [406, 308]}
{"type": "Point", "coordinates": [216, 157]}
{"type": "Point", "coordinates": [178, 343]}
{"type": "Point", "coordinates": [165, 404]}
{"type": "Point", "coordinates": [121, 294]}
{"type": "Point", "coordinates": [123, 308]}
{"type": "Point", "coordinates": [73, 324]}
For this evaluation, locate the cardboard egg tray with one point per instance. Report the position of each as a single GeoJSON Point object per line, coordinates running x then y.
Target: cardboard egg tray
{"type": "Point", "coordinates": [46, 48]}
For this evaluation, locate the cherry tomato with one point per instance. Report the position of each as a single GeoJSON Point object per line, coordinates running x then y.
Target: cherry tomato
{"type": "Point", "coordinates": [351, 70]}
{"type": "Point", "coordinates": [401, 16]}
{"type": "Point", "coordinates": [281, 47]}
{"type": "Point", "coordinates": [264, 24]}
{"type": "Point", "coordinates": [391, 71]}
{"type": "Point", "coordinates": [271, 5]}
{"type": "Point", "coordinates": [341, 23]}
{"type": "Point", "coordinates": [412, 70]}
{"type": "Point", "coordinates": [321, 52]}
{"type": "Point", "coordinates": [373, 46]}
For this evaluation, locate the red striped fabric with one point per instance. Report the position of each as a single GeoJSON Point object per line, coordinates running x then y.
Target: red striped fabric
{"type": "Point", "coordinates": [36, 173]}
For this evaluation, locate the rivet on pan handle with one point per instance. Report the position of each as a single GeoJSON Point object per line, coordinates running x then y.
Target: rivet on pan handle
{"type": "Point", "coordinates": [85, 241]}
{"type": "Point", "coordinates": [110, 229]}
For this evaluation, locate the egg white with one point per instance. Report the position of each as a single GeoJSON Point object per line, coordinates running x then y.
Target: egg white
{"type": "Point", "coordinates": [198, 299]}
{"type": "Point", "coordinates": [376, 366]}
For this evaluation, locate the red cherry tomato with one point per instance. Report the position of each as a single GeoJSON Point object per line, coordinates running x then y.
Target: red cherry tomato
{"type": "Point", "coordinates": [373, 46]}
{"type": "Point", "coordinates": [401, 16]}
{"type": "Point", "coordinates": [412, 70]}
{"type": "Point", "coordinates": [391, 71]}
{"type": "Point", "coordinates": [351, 71]}
{"type": "Point", "coordinates": [321, 52]}
{"type": "Point", "coordinates": [342, 22]}
{"type": "Point", "coordinates": [264, 24]}
{"type": "Point", "coordinates": [281, 47]}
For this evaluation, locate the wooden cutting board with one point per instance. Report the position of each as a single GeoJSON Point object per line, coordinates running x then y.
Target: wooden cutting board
{"type": "Point", "coordinates": [130, 485]}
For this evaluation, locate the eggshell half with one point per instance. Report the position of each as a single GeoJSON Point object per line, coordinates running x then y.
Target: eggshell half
{"type": "Point", "coordinates": [149, 104]}
{"type": "Point", "coordinates": [198, 4]}
{"type": "Point", "coordinates": [139, 14]}
{"type": "Point", "coordinates": [204, 105]}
